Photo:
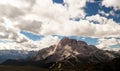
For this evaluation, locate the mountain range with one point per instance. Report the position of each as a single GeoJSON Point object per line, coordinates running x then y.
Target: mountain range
{"type": "Point", "coordinates": [68, 53]}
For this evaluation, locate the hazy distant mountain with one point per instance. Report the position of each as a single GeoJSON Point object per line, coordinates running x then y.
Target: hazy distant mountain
{"type": "Point", "coordinates": [15, 54]}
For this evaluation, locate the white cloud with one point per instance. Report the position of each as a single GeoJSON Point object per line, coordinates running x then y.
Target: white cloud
{"type": "Point", "coordinates": [106, 28]}
{"type": "Point", "coordinates": [17, 3]}
{"type": "Point", "coordinates": [106, 43]}
{"type": "Point", "coordinates": [53, 17]}
{"type": "Point", "coordinates": [81, 28]}
{"type": "Point", "coordinates": [9, 32]}
{"type": "Point", "coordinates": [110, 13]}
{"type": "Point", "coordinates": [49, 12]}
{"type": "Point", "coordinates": [112, 3]}
{"type": "Point", "coordinates": [103, 13]}
{"type": "Point", "coordinates": [44, 17]}
{"type": "Point", "coordinates": [30, 45]}
{"type": "Point", "coordinates": [48, 41]}
{"type": "Point", "coordinates": [75, 8]}
{"type": "Point", "coordinates": [109, 29]}
{"type": "Point", "coordinates": [98, 18]}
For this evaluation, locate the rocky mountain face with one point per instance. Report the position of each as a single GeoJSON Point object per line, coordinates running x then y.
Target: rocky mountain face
{"type": "Point", "coordinates": [79, 51]}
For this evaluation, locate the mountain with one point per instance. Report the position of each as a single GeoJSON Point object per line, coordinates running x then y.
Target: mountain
{"type": "Point", "coordinates": [69, 54]}
{"type": "Point", "coordinates": [71, 48]}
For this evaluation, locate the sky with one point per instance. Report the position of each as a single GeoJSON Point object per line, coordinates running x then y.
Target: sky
{"type": "Point", "coordinates": [36, 24]}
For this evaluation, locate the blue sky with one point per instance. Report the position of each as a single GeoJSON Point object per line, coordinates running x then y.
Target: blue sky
{"type": "Point", "coordinates": [58, 1]}
{"type": "Point", "coordinates": [93, 8]}
{"type": "Point", "coordinates": [32, 36]}
{"type": "Point", "coordinates": [89, 40]}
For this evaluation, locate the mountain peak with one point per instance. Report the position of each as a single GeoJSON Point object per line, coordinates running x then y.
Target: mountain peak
{"type": "Point", "coordinates": [71, 42]}
{"type": "Point", "coordinates": [67, 41]}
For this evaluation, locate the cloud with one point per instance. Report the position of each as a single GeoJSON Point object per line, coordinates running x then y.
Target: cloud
{"type": "Point", "coordinates": [48, 41]}
{"type": "Point", "coordinates": [112, 3]}
{"type": "Point", "coordinates": [10, 11]}
{"type": "Point", "coordinates": [43, 17]}
{"type": "Point", "coordinates": [33, 26]}
{"type": "Point", "coordinates": [18, 3]}
{"type": "Point", "coordinates": [103, 13]}
{"type": "Point", "coordinates": [110, 13]}
{"type": "Point", "coordinates": [110, 29]}
{"type": "Point", "coordinates": [68, 28]}
{"type": "Point", "coordinates": [105, 28]}
{"type": "Point", "coordinates": [97, 18]}
{"type": "Point", "coordinates": [49, 12]}
{"type": "Point", "coordinates": [30, 45]}
{"type": "Point", "coordinates": [92, 1]}
{"type": "Point", "coordinates": [46, 18]}
{"type": "Point", "coordinates": [107, 43]}
{"type": "Point", "coordinates": [75, 8]}
{"type": "Point", "coordinates": [56, 16]}
{"type": "Point", "coordinates": [9, 32]}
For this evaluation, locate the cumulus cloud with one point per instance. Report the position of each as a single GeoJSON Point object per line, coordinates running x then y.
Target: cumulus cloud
{"type": "Point", "coordinates": [43, 17]}
{"type": "Point", "coordinates": [105, 28]}
{"type": "Point", "coordinates": [30, 25]}
{"type": "Point", "coordinates": [49, 12]}
{"type": "Point", "coordinates": [30, 45]}
{"type": "Point", "coordinates": [75, 8]}
{"type": "Point", "coordinates": [110, 29]}
{"type": "Point", "coordinates": [10, 11]}
{"type": "Point", "coordinates": [107, 43]}
{"type": "Point", "coordinates": [9, 32]}
{"type": "Point", "coordinates": [110, 13]}
{"type": "Point", "coordinates": [112, 3]}
{"type": "Point", "coordinates": [18, 3]}
{"type": "Point", "coordinates": [103, 13]}
{"type": "Point", "coordinates": [97, 18]}
{"type": "Point", "coordinates": [70, 28]}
